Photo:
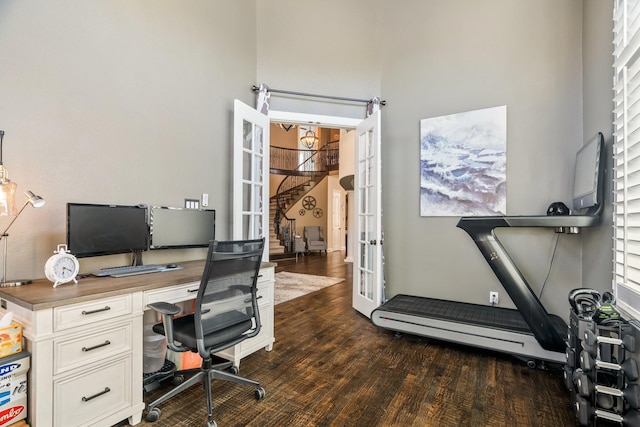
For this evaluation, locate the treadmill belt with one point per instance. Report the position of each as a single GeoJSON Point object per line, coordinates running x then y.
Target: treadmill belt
{"type": "Point", "coordinates": [472, 314]}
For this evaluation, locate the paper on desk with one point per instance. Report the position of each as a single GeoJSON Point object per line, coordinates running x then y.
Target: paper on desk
{"type": "Point", "coordinates": [6, 319]}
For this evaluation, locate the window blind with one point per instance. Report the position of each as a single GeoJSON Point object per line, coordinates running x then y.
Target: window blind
{"type": "Point", "coordinates": [626, 156]}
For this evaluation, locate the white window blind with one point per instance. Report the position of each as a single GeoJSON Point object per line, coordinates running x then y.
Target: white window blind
{"type": "Point", "coordinates": [626, 155]}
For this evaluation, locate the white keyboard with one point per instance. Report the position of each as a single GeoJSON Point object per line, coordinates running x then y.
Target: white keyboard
{"type": "Point", "coordinates": [127, 270]}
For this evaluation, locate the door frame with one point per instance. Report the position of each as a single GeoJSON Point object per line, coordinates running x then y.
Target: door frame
{"type": "Point", "coordinates": [313, 119]}
{"type": "Point", "coordinates": [336, 214]}
{"type": "Point", "coordinates": [334, 122]}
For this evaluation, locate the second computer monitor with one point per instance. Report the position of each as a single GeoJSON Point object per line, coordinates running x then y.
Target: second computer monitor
{"type": "Point", "coordinates": [589, 174]}
{"type": "Point", "coordinates": [178, 228]}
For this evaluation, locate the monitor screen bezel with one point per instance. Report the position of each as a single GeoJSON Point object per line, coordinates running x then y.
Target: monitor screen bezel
{"type": "Point", "coordinates": [589, 167]}
{"type": "Point", "coordinates": [124, 249]}
{"type": "Point", "coordinates": [154, 246]}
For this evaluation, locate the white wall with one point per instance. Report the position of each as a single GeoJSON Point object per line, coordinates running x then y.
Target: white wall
{"type": "Point", "coordinates": [328, 47]}
{"type": "Point", "coordinates": [597, 58]}
{"type": "Point", "coordinates": [115, 101]}
{"type": "Point", "coordinates": [467, 55]}
{"type": "Point", "coordinates": [84, 82]}
{"type": "Point", "coordinates": [440, 57]}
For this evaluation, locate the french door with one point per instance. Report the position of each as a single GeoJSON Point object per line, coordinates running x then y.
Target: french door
{"type": "Point", "coordinates": [251, 191]}
{"type": "Point", "coordinates": [250, 175]}
{"type": "Point", "coordinates": [368, 278]}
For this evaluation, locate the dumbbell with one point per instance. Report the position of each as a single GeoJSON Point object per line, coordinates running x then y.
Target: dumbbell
{"type": "Point", "coordinates": [568, 377]}
{"type": "Point", "coordinates": [629, 366]}
{"type": "Point", "coordinates": [584, 301]}
{"type": "Point", "coordinates": [585, 413]}
{"type": "Point", "coordinates": [630, 393]}
{"type": "Point", "coordinates": [570, 357]}
{"type": "Point", "coordinates": [628, 342]}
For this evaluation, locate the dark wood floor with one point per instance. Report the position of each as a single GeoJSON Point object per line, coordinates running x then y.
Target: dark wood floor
{"type": "Point", "coordinates": [330, 366]}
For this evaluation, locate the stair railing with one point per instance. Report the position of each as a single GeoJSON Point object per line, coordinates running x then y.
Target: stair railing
{"type": "Point", "coordinates": [314, 166]}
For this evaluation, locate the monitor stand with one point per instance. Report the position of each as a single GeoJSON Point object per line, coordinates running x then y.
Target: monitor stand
{"type": "Point", "coordinates": [528, 332]}
{"type": "Point", "coordinates": [136, 258]}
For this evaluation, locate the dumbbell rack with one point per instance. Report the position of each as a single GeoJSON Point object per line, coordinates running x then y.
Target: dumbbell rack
{"type": "Point", "coordinates": [601, 372]}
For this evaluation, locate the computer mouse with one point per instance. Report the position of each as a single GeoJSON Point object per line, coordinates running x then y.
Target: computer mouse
{"type": "Point", "coordinates": [172, 265]}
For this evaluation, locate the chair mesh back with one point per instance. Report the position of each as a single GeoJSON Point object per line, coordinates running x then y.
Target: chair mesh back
{"type": "Point", "coordinates": [226, 297]}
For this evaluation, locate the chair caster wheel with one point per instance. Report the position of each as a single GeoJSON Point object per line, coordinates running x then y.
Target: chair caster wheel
{"type": "Point", "coordinates": [234, 370]}
{"type": "Point", "coordinates": [177, 380]}
{"type": "Point", "coordinates": [153, 415]}
{"type": "Point", "coordinates": [212, 424]}
{"type": "Point", "coordinates": [260, 393]}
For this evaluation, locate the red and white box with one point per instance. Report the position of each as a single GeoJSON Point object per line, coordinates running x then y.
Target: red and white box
{"type": "Point", "coordinates": [13, 388]}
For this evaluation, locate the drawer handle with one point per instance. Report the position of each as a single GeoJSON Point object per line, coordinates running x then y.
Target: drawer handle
{"type": "Point", "coordinates": [106, 308]}
{"type": "Point", "coordinates": [105, 391]}
{"type": "Point", "coordinates": [192, 290]}
{"type": "Point", "coordinates": [107, 342]}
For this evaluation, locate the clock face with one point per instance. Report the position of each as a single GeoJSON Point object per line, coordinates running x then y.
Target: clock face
{"type": "Point", "coordinates": [64, 269]}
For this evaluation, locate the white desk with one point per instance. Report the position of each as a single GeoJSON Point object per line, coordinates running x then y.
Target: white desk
{"type": "Point", "coordinates": [86, 341]}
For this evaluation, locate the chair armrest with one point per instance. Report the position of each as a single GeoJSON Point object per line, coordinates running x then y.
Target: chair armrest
{"type": "Point", "coordinates": [165, 308]}
{"type": "Point", "coordinates": [168, 310]}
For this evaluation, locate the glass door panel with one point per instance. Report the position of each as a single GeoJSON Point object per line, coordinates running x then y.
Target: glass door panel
{"type": "Point", "coordinates": [368, 285]}
{"type": "Point", "coordinates": [250, 189]}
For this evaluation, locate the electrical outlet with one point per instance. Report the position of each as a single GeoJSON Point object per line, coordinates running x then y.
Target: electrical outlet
{"type": "Point", "coordinates": [494, 298]}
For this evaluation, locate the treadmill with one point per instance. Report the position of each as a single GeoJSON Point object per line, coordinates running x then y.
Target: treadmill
{"type": "Point", "coordinates": [528, 332]}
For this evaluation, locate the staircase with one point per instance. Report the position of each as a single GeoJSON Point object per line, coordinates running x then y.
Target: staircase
{"type": "Point", "coordinates": [275, 245]}
{"type": "Point", "coordinates": [301, 177]}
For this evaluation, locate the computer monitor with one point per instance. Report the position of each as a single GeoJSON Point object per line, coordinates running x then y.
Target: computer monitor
{"type": "Point", "coordinates": [589, 173]}
{"type": "Point", "coordinates": [178, 228]}
{"type": "Point", "coordinates": [94, 229]}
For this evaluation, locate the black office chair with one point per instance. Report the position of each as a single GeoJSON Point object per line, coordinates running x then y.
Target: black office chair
{"type": "Point", "coordinates": [226, 313]}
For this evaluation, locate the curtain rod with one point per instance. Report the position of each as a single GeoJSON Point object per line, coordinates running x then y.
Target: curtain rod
{"type": "Point", "coordinates": [339, 98]}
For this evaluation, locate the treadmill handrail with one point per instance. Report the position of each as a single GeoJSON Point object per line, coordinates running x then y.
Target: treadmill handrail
{"type": "Point", "coordinates": [481, 229]}
{"type": "Point", "coordinates": [545, 221]}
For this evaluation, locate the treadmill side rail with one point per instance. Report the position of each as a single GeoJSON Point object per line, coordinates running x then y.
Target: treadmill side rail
{"type": "Point", "coordinates": [521, 345]}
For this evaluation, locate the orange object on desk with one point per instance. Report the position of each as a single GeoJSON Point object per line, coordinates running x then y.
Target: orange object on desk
{"type": "Point", "coordinates": [10, 339]}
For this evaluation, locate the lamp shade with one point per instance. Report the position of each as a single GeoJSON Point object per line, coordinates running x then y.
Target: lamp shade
{"type": "Point", "coordinates": [36, 201]}
{"type": "Point", "coordinates": [7, 193]}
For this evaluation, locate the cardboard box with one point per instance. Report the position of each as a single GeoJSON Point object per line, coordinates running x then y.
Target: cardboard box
{"type": "Point", "coordinates": [16, 364]}
{"type": "Point", "coordinates": [10, 339]}
{"type": "Point", "coordinates": [13, 388]}
{"type": "Point", "coordinates": [13, 412]}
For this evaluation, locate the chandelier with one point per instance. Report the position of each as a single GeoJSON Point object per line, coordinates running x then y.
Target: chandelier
{"type": "Point", "coordinates": [309, 139]}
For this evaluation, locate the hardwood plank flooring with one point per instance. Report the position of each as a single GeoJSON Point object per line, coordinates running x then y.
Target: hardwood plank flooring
{"type": "Point", "coordinates": [330, 366]}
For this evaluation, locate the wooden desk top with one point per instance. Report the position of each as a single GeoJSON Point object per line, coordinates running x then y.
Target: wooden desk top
{"type": "Point", "coordinates": [41, 294]}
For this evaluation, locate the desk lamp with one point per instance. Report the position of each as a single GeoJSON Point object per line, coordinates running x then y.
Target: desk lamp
{"type": "Point", "coordinates": [7, 208]}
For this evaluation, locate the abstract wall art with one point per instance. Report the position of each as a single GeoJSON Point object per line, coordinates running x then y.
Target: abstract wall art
{"type": "Point", "coordinates": [463, 163]}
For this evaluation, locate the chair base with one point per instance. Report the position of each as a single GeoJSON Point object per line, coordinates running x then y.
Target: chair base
{"type": "Point", "coordinates": [316, 250]}
{"type": "Point", "coordinates": [205, 374]}
{"type": "Point", "coordinates": [151, 381]}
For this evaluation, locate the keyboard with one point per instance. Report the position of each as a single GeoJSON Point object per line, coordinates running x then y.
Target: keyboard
{"type": "Point", "coordinates": [127, 270]}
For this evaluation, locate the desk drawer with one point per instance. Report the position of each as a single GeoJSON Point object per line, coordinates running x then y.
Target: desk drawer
{"type": "Point", "coordinates": [71, 316]}
{"type": "Point", "coordinates": [265, 296]}
{"type": "Point", "coordinates": [265, 277]}
{"type": "Point", "coordinates": [83, 399]}
{"type": "Point", "coordinates": [91, 348]}
{"type": "Point", "coordinates": [175, 294]}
